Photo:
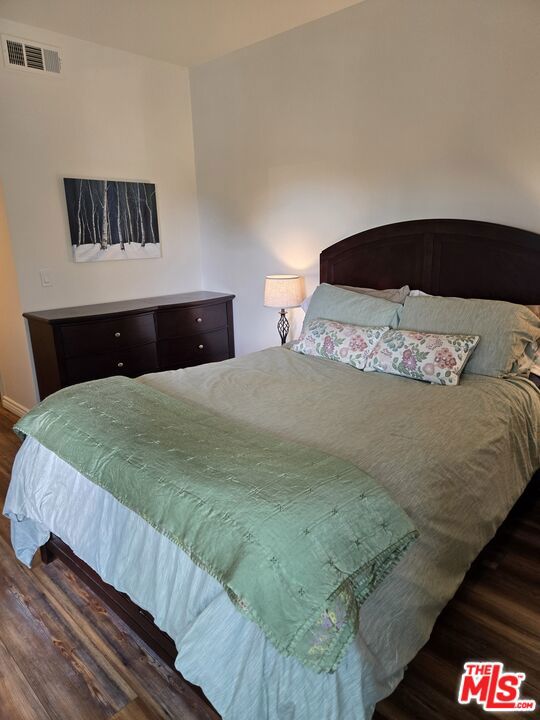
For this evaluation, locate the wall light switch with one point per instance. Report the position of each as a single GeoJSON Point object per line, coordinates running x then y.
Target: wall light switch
{"type": "Point", "coordinates": [45, 276]}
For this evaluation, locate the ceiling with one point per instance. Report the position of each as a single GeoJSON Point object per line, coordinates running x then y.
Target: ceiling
{"type": "Point", "coordinates": [186, 32]}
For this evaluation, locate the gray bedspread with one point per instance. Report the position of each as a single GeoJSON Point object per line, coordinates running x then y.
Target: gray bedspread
{"type": "Point", "coordinates": [454, 458]}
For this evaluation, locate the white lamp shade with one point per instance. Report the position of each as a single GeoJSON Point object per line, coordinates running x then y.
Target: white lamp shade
{"type": "Point", "coordinates": [284, 291]}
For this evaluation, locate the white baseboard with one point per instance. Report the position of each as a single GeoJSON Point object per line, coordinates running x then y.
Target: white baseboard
{"type": "Point", "coordinates": [13, 406]}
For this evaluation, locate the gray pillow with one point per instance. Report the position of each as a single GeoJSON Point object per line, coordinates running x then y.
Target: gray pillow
{"type": "Point", "coordinates": [333, 303]}
{"type": "Point", "coordinates": [395, 295]}
{"type": "Point", "coordinates": [507, 331]}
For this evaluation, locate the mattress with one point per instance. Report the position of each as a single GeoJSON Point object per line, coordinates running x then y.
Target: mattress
{"type": "Point", "coordinates": [456, 460]}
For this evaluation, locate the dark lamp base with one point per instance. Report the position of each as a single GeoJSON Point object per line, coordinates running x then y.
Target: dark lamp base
{"type": "Point", "coordinates": [283, 326]}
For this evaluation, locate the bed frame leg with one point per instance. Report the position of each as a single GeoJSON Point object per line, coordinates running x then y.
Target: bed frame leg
{"type": "Point", "coordinates": [47, 556]}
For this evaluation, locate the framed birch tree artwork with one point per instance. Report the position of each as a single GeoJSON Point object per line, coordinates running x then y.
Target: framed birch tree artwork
{"type": "Point", "coordinates": [112, 220]}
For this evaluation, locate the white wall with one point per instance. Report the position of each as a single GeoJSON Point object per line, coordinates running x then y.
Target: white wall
{"type": "Point", "coordinates": [16, 385]}
{"type": "Point", "coordinates": [110, 115]}
{"type": "Point", "coordinates": [389, 110]}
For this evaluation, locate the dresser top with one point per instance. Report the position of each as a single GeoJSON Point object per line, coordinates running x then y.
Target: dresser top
{"type": "Point", "coordinates": [57, 315]}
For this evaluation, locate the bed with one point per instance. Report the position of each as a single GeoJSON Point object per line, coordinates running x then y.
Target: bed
{"type": "Point", "coordinates": [414, 438]}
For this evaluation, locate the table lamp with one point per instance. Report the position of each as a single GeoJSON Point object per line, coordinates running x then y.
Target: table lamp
{"type": "Point", "coordinates": [283, 291]}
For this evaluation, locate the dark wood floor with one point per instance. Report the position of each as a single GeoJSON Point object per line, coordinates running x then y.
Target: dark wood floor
{"type": "Point", "coordinates": [65, 656]}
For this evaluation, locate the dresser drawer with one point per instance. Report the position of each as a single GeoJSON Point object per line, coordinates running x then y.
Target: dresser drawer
{"type": "Point", "coordinates": [132, 362]}
{"type": "Point", "coordinates": [185, 321]}
{"type": "Point", "coordinates": [194, 350]}
{"type": "Point", "coordinates": [108, 335]}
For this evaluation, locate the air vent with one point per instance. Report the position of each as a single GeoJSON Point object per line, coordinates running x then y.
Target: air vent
{"type": "Point", "coordinates": [15, 51]}
{"type": "Point", "coordinates": [34, 57]}
{"type": "Point", "coordinates": [29, 56]}
{"type": "Point", "coordinates": [52, 60]}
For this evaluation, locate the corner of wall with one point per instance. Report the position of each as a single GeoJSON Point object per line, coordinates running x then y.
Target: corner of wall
{"type": "Point", "coordinates": [17, 386]}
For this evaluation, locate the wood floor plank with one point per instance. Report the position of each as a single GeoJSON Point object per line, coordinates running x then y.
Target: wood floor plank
{"type": "Point", "coordinates": [137, 710]}
{"type": "Point", "coordinates": [441, 675]}
{"type": "Point", "coordinates": [71, 625]}
{"type": "Point", "coordinates": [17, 699]}
{"type": "Point", "coordinates": [4, 525]}
{"type": "Point", "coordinates": [38, 637]}
{"type": "Point", "coordinates": [157, 684]}
{"type": "Point", "coordinates": [490, 641]}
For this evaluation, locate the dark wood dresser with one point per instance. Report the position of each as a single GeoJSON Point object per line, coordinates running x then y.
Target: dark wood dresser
{"type": "Point", "coordinates": [132, 337]}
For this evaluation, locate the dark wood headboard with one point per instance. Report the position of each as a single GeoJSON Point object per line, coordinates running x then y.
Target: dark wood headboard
{"type": "Point", "coordinates": [463, 258]}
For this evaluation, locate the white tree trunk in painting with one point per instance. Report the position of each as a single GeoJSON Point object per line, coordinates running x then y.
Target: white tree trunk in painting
{"type": "Point", "coordinates": [118, 222]}
{"type": "Point", "coordinates": [150, 214]}
{"type": "Point", "coordinates": [88, 230]}
{"type": "Point", "coordinates": [139, 211]}
{"type": "Point", "coordinates": [79, 220]}
{"type": "Point", "coordinates": [128, 211]}
{"type": "Point", "coordinates": [105, 206]}
{"type": "Point", "coordinates": [94, 231]}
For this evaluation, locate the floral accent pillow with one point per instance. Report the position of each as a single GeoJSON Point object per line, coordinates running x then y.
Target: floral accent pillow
{"type": "Point", "coordinates": [424, 356]}
{"type": "Point", "coordinates": [343, 342]}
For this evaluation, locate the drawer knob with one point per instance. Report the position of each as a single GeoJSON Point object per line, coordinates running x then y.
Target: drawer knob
{"type": "Point", "coordinates": [117, 334]}
{"type": "Point", "coordinates": [120, 364]}
{"type": "Point", "coordinates": [201, 347]}
{"type": "Point", "coordinates": [199, 319]}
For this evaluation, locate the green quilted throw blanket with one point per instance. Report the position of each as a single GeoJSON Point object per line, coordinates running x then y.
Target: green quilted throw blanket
{"type": "Point", "coordinates": [298, 538]}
